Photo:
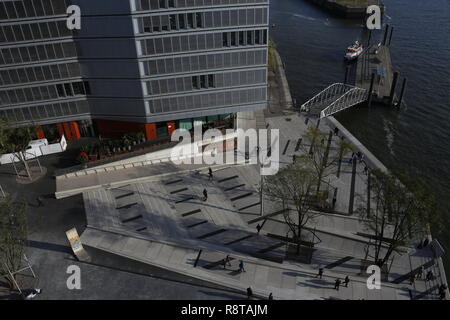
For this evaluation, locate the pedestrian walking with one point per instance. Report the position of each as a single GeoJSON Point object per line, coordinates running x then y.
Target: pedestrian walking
{"type": "Point", "coordinates": [205, 195]}
{"type": "Point", "coordinates": [241, 266]}
{"type": "Point", "coordinates": [227, 261]}
{"type": "Point", "coordinates": [210, 174]}
{"type": "Point", "coordinates": [366, 170]}
{"type": "Point", "coordinates": [429, 276]}
{"type": "Point", "coordinates": [270, 296]}
{"type": "Point", "coordinates": [420, 273]}
{"type": "Point", "coordinates": [258, 228]}
{"type": "Point", "coordinates": [249, 293]}
{"type": "Point", "coordinates": [337, 283]}
{"type": "Point", "coordinates": [39, 201]}
{"type": "Point", "coordinates": [412, 279]}
{"type": "Point", "coordinates": [319, 275]}
{"type": "Point", "coordinates": [346, 281]}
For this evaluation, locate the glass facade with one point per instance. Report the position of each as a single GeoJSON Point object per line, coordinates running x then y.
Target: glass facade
{"type": "Point", "coordinates": [203, 55]}
{"type": "Point", "coordinates": [137, 60]}
{"type": "Point", "coordinates": [40, 76]}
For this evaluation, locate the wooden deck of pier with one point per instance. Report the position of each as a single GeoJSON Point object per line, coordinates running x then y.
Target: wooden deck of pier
{"type": "Point", "coordinates": [377, 60]}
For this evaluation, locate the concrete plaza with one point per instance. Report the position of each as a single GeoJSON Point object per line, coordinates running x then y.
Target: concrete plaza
{"type": "Point", "coordinates": [161, 220]}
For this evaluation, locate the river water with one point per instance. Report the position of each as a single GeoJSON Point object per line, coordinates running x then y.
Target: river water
{"type": "Point", "coordinates": [416, 138]}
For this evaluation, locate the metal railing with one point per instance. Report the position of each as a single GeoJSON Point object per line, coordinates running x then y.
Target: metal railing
{"type": "Point", "coordinates": [334, 98]}
{"type": "Point", "coordinates": [349, 99]}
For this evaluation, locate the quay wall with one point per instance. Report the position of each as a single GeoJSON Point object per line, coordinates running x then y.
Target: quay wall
{"type": "Point", "coordinates": [344, 11]}
{"type": "Point", "coordinates": [369, 158]}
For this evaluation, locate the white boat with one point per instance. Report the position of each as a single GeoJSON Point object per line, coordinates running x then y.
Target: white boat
{"type": "Point", "coordinates": [354, 51]}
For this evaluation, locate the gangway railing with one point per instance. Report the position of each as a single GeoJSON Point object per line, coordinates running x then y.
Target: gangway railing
{"type": "Point", "coordinates": [334, 98]}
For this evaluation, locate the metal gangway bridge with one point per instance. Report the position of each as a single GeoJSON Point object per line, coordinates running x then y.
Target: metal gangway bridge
{"type": "Point", "coordinates": [335, 98]}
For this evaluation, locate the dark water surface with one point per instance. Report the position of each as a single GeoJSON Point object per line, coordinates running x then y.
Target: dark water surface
{"type": "Point", "coordinates": [415, 139]}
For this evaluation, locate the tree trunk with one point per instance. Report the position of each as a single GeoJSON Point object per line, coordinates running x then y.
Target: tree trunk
{"type": "Point", "coordinates": [12, 284]}
{"type": "Point", "coordinates": [299, 239]}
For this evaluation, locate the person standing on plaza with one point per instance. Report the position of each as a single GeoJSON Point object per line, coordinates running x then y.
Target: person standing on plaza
{"type": "Point", "coordinates": [249, 293]}
{"type": "Point", "coordinates": [241, 266]}
{"type": "Point", "coordinates": [205, 195]}
{"type": "Point", "coordinates": [210, 174]}
{"type": "Point", "coordinates": [346, 281]}
{"type": "Point", "coordinates": [320, 274]}
{"type": "Point", "coordinates": [337, 283]}
{"type": "Point", "coordinates": [227, 261]}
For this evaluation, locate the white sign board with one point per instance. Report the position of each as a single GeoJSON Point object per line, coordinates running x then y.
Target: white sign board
{"type": "Point", "coordinates": [75, 243]}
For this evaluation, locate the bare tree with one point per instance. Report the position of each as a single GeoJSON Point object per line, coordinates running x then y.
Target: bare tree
{"type": "Point", "coordinates": [403, 211]}
{"type": "Point", "coordinates": [316, 152]}
{"type": "Point", "coordinates": [293, 188]}
{"type": "Point", "coordinates": [13, 235]}
{"type": "Point", "coordinates": [3, 135]}
{"type": "Point", "coordinates": [15, 140]}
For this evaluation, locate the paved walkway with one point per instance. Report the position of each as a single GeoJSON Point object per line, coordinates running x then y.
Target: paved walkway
{"type": "Point", "coordinates": [284, 281]}
{"type": "Point", "coordinates": [155, 214]}
{"type": "Point", "coordinates": [163, 220]}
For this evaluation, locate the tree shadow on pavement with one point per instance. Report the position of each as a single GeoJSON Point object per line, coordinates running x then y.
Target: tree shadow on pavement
{"type": "Point", "coordinates": [316, 283]}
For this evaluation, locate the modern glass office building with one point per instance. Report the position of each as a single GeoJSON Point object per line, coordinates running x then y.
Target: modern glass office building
{"type": "Point", "coordinates": [40, 76]}
{"type": "Point", "coordinates": [135, 65]}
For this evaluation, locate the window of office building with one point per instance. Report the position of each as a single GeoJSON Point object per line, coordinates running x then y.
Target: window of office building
{"type": "Point", "coordinates": [144, 5]}
{"type": "Point", "coordinates": [207, 100]}
{"type": "Point", "coordinates": [31, 94]}
{"type": "Point", "coordinates": [200, 20]}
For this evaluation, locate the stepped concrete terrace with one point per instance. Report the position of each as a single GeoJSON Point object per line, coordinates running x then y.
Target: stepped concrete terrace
{"type": "Point", "coordinates": [156, 215]}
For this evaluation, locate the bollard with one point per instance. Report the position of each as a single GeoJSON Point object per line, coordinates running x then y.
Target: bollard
{"type": "Point", "coordinates": [198, 258]}
{"type": "Point", "coordinates": [385, 34]}
{"type": "Point", "coordinates": [346, 74]}
{"type": "Point", "coordinates": [390, 37]}
{"type": "Point", "coordinates": [369, 98]}
{"type": "Point", "coordinates": [368, 193]}
{"type": "Point", "coordinates": [394, 84]}
{"type": "Point", "coordinates": [402, 92]}
{"type": "Point", "coordinates": [368, 40]}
